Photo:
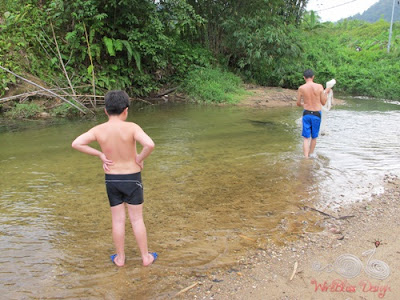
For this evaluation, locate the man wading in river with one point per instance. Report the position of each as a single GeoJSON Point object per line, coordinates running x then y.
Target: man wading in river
{"type": "Point", "coordinates": [314, 96]}
{"type": "Point", "coordinates": [122, 165]}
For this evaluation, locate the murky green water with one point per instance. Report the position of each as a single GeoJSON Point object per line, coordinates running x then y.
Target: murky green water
{"type": "Point", "coordinates": [219, 182]}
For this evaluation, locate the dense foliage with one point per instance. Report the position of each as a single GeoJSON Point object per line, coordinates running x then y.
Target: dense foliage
{"type": "Point", "coordinates": [124, 44]}
{"type": "Point", "coordinates": [253, 37]}
{"type": "Point", "coordinates": [143, 45]}
{"type": "Point", "coordinates": [355, 53]}
{"type": "Point", "coordinates": [140, 45]}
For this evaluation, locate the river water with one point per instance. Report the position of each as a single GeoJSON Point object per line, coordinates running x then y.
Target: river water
{"type": "Point", "coordinates": [220, 182]}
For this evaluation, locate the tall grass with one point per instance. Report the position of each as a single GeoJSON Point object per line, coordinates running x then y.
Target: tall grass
{"type": "Point", "coordinates": [24, 111]}
{"type": "Point", "coordinates": [213, 85]}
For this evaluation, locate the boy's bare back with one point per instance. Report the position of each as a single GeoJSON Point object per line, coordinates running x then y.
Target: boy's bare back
{"type": "Point", "coordinates": [117, 140]}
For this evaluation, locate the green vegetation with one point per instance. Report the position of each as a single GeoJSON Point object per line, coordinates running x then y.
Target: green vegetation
{"type": "Point", "coordinates": [144, 45]}
{"type": "Point", "coordinates": [355, 53]}
{"type": "Point", "coordinates": [64, 110]}
{"type": "Point", "coordinates": [213, 86]}
{"type": "Point", "coordinates": [134, 45]}
{"type": "Point", "coordinates": [24, 111]}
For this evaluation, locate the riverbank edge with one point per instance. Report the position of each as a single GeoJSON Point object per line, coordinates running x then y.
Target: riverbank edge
{"type": "Point", "coordinates": [270, 97]}
{"type": "Point", "coordinates": [257, 97]}
{"type": "Point", "coordinates": [272, 273]}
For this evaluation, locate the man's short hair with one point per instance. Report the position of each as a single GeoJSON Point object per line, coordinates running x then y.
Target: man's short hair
{"type": "Point", "coordinates": [308, 73]}
{"type": "Point", "coordinates": [116, 101]}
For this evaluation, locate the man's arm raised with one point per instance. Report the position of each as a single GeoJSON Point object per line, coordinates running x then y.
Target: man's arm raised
{"type": "Point", "coordinates": [146, 142]}
{"type": "Point", "coordinates": [81, 143]}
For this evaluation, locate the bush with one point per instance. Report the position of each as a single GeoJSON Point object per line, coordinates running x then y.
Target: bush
{"type": "Point", "coordinates": [64, 110]}
{"type": "Point", "coordinates": [213, 85]}
{"type": "Point", "coordinates": [24, 111]}
{"type": "Point", "coordinates": [332, 53]}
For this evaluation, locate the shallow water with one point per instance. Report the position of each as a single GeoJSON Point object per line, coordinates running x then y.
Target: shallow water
{"type": "Point", "coordinates": [220, 182]}
{"type": "Point", "coordinates": [362, 143]}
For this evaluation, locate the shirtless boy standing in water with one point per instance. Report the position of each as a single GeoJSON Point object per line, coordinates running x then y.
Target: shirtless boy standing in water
{"type": "Point", "coordinates": [314, 96]}
{"type": "Point", "coordinates": [122, 165]}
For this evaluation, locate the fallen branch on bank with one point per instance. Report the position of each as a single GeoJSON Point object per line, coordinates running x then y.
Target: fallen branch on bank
{"type": "Point", "coordinates": [166, 92]}
{"type": "Point", "coordinates": [296, 264]}
{"type": "Point", "coordinates": [36, 93]}
{"type": "Point", "coordinates": [24, 95]}
{"type": "Point", "coordinates": [131, 99]}
{"type": "Point", "coordinates": [142, 100]}
{"type": "Point", "coordinates": [328, 215]}
{"type": "Point", "coordinates": [49, 91]}
{"type": "Point", "coordinates": [83, 100]}
{"type": "Point", "coordinates": [186, 289]}
{"type": "Point", "coordinates": [321, 212]}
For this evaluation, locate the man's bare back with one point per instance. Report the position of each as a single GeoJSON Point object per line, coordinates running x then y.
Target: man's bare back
{"type": "Point", "coordinates": [313, 96]}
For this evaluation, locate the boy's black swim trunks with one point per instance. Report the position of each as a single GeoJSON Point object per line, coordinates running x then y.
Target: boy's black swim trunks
{"type": "Point", "coordinates": [124, 188]}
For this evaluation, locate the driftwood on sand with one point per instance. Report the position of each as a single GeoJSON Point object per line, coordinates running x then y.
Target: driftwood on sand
{"type": "Point", "coordinates": [186, 289]}
{"type": "Point", "coordinates": [296, 264]}
{"type": "Point", "coordinates": [328, 215]}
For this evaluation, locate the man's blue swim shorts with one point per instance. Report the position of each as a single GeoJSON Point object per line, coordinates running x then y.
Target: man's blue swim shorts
{"type": "Point", "coordinates": [311, 124]}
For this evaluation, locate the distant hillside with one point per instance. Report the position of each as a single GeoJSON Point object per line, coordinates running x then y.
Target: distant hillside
{"type": "Point", "coordinates": [381, 9]}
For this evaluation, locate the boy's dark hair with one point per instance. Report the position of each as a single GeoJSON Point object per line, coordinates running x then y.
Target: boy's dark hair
{"type": "Point", "coordinates": [308, 73]}
{"type": "Point", "coordinates": [116, 101]}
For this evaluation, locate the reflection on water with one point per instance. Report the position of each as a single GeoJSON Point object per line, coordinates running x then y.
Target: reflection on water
{"type": "Point", "coordinates": [220, 181]}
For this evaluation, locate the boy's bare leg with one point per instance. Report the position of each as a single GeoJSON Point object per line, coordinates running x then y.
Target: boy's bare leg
{"type": "Point", "coordinates": [118, 232]}
{"type": "Point", "coordinates": [306, 147]}
{"type": "Point", "coordinates": [312, 145]}
{"type": "Point", "coordinates": [139, 229]}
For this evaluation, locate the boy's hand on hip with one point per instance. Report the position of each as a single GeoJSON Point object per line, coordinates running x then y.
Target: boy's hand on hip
{"type": "Point", "coordinates": [106, 162]}
{"type": "Point", "coordinates": [140, 163]}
